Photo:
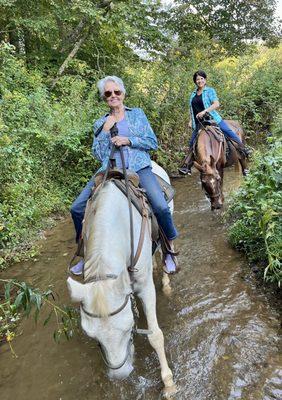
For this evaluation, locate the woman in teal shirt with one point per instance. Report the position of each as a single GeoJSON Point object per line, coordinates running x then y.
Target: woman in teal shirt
{"type": "Point", "coordinates": [203, 101]}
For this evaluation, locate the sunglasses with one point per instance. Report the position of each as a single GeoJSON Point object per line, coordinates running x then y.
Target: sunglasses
{"type": "Point", "coordinates": [108, 93]}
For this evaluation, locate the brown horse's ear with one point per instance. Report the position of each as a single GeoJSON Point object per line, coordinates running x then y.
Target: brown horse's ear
{"type": "Point", "coordinates": [212, 162]}
{"type": "Point", "coordinates": [198, 166]}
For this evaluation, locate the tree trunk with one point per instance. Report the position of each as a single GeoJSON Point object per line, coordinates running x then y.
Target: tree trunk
{"type": "Point", "coordinates": [68, 59]}
{"type": "Point", "coordinates": [73, 35]}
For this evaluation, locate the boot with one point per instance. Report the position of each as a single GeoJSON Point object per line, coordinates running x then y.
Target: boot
{"type": "Point", "coordinates": [242, 149]}
{"type": "Point", "coordinates": [187, 164]}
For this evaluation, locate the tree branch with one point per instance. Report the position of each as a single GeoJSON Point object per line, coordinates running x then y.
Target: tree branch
{"type": "Point", "coordinates": [69, 58]}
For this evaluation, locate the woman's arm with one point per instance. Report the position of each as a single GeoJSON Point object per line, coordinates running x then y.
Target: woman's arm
{"type": "Point", "coordinates": [101, 141]}
{"type": "Point", "coordinates": [147, 141]}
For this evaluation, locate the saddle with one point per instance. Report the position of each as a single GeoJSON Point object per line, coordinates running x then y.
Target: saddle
{"type": "Point", "coordinates": [229, 145]}
{"type": "Point", "coordinates": [213, 129]}
{"type": "Point", "coordinates": [139, 200]}
{"type": "Point", "coordinates": [117, 173]}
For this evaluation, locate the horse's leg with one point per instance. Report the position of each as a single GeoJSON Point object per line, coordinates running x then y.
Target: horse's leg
{"type": "Point", "coordinates": [166, 284]}
{"type": "Point", "coordinates": [221, 173]}
{"type": "Point", "coordinates": [243, 163]}
{"type": "Point", "coordinates": [158, 264]}
{"type": "Point", "coordinates": [156, 338]}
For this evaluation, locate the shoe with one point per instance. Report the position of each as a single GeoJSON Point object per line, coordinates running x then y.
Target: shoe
{"type": "Point", "coordinates": [170, 265]}
{"type": "Point", "coordinates": [185, 171]}
{"type": "Point", "coordinates": [247, 152]}
{"type": "Point", "coordinates": [245, 172]}
{"type": "Point", "coordinates": [77, 269]}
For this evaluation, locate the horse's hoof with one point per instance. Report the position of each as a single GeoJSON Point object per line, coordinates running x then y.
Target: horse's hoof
{"type": "Point", "coordinates": [169, 392]}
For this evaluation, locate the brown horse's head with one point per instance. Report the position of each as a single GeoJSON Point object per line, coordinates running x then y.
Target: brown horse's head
{"type": "Point", "coordinates": [211, 182]}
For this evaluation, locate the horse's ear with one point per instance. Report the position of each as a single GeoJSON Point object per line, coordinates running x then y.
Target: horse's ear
{"type": "Point", "coordinates": [212, 162]}
{"type": "Point", "coordinates": [198, 166]}
{"type": "Point", "coordinates": [76, 290]}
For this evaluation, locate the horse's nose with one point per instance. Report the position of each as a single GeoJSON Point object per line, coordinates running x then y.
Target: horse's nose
{"type": "Point", "coordinates": [216, 206]}
{"type": "Point", "coordinates": [121, 373]}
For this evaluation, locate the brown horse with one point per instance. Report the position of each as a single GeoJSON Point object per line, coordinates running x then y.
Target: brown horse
{"type": "Point", "coordinates": [210, 160]}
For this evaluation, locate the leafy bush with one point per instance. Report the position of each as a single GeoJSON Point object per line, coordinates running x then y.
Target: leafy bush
{"type": "Point", "coordinates": [256, 211]}
{"type": "Point", "coordinates": [19, 299]}
{"type": "Point", "coordinates": [44, 149]}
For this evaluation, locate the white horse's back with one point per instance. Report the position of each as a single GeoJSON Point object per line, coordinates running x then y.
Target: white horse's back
{"type": "Point", "coordinates": [158, 170]}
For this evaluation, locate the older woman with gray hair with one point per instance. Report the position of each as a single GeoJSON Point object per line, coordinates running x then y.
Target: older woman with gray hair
{"type": "Point", "coordinates": [137, 138]}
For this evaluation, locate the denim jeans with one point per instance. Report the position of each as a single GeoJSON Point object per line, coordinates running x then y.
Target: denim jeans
{"type": "Point", "coordinates": [228, 132]}
{"type": "Point", "coordinates": [149, 182]}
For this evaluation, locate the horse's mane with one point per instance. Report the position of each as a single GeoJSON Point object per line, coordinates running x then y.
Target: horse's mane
{"type": "Point", "coordinates": [205, 145]}
{"type": "Point", "coordinates": [95, 226]}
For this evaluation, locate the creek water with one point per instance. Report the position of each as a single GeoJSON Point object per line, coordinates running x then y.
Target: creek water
{"type": "Point", "coordinates": [221, 326]}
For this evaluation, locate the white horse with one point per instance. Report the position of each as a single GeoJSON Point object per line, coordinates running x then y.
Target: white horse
{"type": "Point", "coordinates": [106, 311]}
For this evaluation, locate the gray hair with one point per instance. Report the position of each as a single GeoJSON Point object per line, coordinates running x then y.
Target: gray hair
{"type": "Point", "coordinates": [102, 83]}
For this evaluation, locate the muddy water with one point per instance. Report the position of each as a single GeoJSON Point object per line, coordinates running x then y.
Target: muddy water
{"type": "Point", "coordinates": [221, 328]}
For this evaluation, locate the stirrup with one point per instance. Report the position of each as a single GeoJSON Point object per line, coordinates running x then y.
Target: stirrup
{"type": "Point", "coordinates": [167, 267]}
{"type": "Point", "coordinates": [78, 268]}
{"type": "Point", "coordinates": [185, 170]}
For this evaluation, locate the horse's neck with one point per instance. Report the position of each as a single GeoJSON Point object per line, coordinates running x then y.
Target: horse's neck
{"type": "Point", "coordinates": [207, 146]}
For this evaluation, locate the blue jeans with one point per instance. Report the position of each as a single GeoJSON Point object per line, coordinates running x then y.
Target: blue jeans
{"type": "Point", "coordinates": [149, 182]}
{"type": "Point", "coordinates": [228, 132]}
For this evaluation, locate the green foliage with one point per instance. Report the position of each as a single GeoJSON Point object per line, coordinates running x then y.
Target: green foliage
{"type": "Point", "coordinates": [249, 89]}
{"type": "Point", "coordinates": [45, 138]}
{"type": "Point", "coordinates": [256, 211]}
{"type": "Point", "coordinates": [19, 299]}
{"type": "Point", "coordinates": [44, 147]}
{"type": "Point", "coordinates": [229, 23]}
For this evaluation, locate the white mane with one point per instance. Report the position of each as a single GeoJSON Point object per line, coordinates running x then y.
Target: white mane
{"type": "Point", "coordinates": [99, 233]}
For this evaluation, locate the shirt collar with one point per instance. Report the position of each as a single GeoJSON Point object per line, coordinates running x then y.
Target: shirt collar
{"type": "Point", "coordinates": [195, 90]}
{"type": "Point", "coordinates": [125, 107]}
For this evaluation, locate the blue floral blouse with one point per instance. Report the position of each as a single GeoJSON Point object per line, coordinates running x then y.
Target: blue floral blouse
{"type": "Point", "coordinates": [141, 137]}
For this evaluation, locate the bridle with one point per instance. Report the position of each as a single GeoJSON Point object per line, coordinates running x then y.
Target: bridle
{"type": "Point", "coordinates": [115, 312]}
{"type": "Point", "coordinates": [210, 196]}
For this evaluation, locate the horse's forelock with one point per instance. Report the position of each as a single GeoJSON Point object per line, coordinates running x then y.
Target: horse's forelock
{"type": "Point", "coordinates": [102, 289]}
{"type": "Point", "coordinates": [99, 303]}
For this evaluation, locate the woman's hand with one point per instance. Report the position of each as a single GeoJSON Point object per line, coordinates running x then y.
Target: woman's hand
{"type": "Point", "coordinates": [110, 121]}
{"type": "Point", "coordinates": [201, 114]}
{"type": "Point", "coordinates": [190, 124]}
{"type": "Point", "coordinates": [120, 141]}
